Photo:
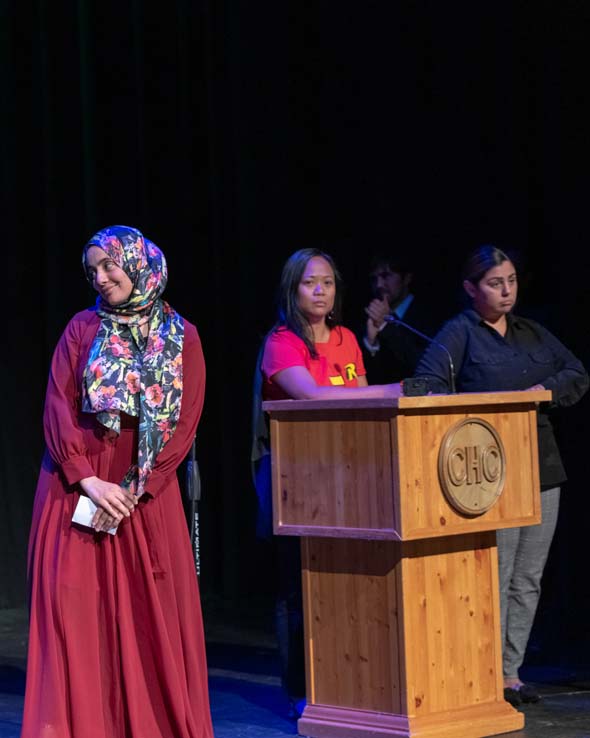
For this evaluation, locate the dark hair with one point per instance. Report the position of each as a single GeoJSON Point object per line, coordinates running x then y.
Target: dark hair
{"type": "Point", "coordinates": [290, 315]}
{"type": "Point", "coordinates": [481, 260]}
{"type": "Point", "coordinates": [399, 264]}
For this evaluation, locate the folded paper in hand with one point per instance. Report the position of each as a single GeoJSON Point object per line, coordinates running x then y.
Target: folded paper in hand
{"type": "Point", "coordinates": [84, 513]}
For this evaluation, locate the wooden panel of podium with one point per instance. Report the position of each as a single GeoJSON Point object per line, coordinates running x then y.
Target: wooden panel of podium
{"type": "Point", "coordinates": [397, 503]}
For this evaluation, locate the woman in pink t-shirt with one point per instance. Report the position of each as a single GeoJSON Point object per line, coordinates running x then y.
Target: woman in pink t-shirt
{"type": "Point", "coordinates": [308, 355]}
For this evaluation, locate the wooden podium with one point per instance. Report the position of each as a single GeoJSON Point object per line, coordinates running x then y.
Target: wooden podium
{"type": "Point", "coordinates": [400, 586]}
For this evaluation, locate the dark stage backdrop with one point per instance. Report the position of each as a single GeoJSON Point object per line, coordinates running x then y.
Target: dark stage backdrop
{"type": "Point", "coordinates": [232, 133]}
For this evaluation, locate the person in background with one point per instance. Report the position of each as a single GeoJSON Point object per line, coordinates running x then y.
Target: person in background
{"type": "Point", "coordinates": [391, 352]}
{"type": "Point", "coordinates": [495, 350]}
{"type": "Point", "coordinates": [307, 355]}
{"type": "Point", "coordinates": [116, 644]}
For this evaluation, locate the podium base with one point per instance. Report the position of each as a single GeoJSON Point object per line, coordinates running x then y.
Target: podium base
{"type": "Point", "coordinates": [323, 721]}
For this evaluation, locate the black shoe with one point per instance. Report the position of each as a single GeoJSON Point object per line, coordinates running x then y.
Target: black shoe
{"type": "Point", "coordinates": [528, 693]}
{"type": "Point", "coordinates": [512, 696]}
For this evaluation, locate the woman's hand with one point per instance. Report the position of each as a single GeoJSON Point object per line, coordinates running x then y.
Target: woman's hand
{"type": "Point", "coordinates": [114, 502]}
{"type": "Point", "coordinates": [534, 388]}
{"type": "Point", "coordinates": [103, 522]}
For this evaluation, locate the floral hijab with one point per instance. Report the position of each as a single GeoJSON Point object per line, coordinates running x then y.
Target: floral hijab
{"type": "Point", "coordinates": [126, 372]}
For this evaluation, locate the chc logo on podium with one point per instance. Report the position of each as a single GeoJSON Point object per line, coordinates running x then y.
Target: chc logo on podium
{"type": "Point", "coordinates": [472, 466]}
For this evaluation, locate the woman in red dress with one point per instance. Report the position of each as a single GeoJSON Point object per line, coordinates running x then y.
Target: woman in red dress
{"type": "Point", "coordinates": [116, 644]}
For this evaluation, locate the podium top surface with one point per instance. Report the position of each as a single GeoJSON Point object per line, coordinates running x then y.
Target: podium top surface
{"type": "Point", "coordinates": [423, 402]}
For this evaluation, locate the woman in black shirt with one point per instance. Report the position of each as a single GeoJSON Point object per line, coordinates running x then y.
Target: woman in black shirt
{"type": "Point", "coordinates": [493, 350]}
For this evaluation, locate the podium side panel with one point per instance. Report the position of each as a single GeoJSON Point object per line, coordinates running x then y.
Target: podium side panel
{"type": "Point", "coordinates": [332, 473]}
{"type": "Point", "coordinates": [351, 624]}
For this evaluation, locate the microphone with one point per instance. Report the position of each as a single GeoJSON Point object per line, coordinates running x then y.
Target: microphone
{"type": "Point", "coordinates": [396, 321]}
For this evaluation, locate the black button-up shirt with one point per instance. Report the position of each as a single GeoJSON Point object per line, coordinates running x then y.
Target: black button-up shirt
{"type": "Point", "coordinates": [486, 361]}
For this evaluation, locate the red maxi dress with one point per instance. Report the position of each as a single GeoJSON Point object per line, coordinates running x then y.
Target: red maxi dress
{"type": "Point", "coordinates": [116, 645]}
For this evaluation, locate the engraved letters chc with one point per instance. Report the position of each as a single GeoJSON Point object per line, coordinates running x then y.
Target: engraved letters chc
{"type": "Point", "coordinates": [472, 466]}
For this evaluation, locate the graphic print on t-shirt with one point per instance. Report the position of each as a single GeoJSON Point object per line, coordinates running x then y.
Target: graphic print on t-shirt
{"type": "Point", "coordinates": [349, 371]}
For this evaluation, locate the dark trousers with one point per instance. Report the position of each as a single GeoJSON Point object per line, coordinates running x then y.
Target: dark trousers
{"type": "Point", "coordinates": [289, 616]}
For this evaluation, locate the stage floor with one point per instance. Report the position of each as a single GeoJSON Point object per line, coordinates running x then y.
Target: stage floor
{"type": "Point", "coordinates": [246, 697]}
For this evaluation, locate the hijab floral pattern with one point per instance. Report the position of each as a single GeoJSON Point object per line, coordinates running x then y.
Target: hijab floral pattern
{"type": "Point", "coordinates": [126, 372]}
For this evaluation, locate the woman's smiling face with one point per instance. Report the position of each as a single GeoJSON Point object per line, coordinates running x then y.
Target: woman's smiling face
{"type": "Point", "coordinates": [108, 279]}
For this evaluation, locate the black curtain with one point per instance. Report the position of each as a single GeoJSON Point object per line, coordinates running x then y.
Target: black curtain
{"type": "Point", "coordinates": [232, 133]}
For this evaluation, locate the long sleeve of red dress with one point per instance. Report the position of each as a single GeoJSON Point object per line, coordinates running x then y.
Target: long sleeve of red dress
{"type": "Point", "coordinates": [64, 437]}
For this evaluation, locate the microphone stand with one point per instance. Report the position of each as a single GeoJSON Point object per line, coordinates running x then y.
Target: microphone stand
{"type": "Point", "coordinates": [396, 321]}
{"type": "Point", "coordinates": [193, 495]}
